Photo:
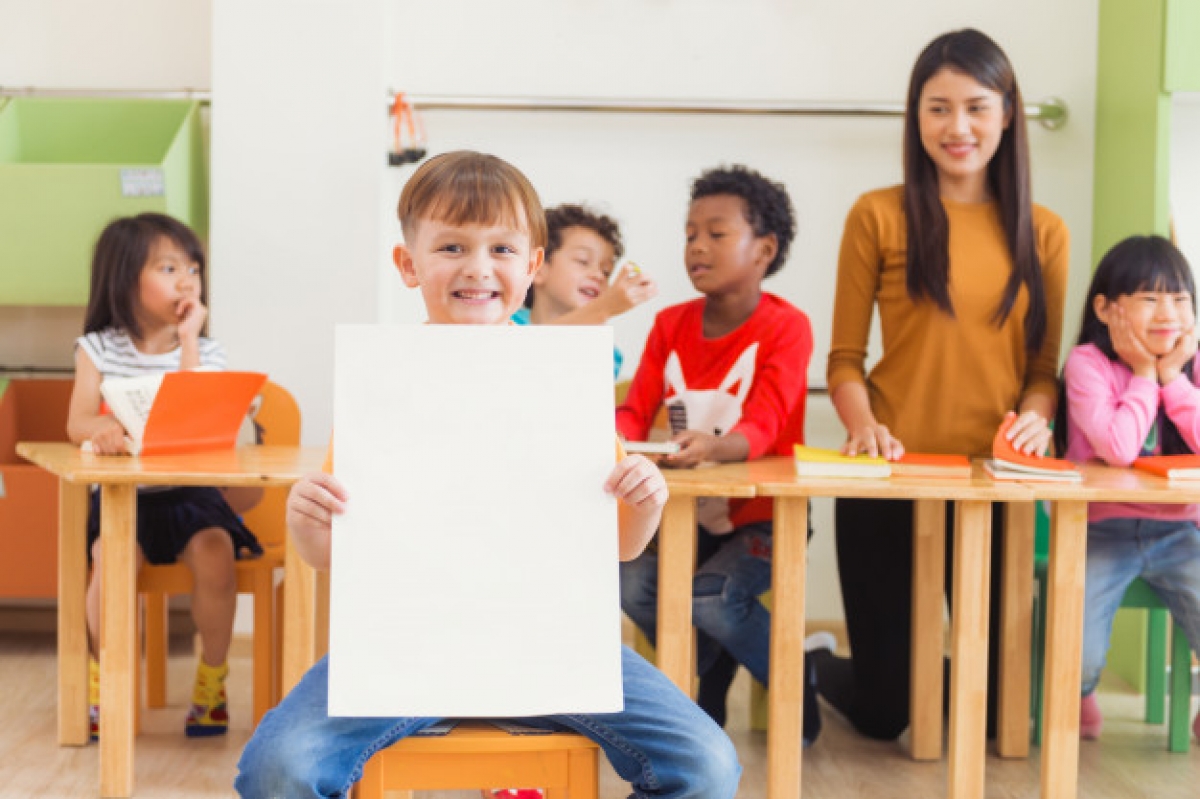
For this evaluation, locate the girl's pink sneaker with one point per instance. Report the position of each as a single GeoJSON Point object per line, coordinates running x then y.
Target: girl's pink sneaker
{"type": "Point", "coordinates": [1090, 718]}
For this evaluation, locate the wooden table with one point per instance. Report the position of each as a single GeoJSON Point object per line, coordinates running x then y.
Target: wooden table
{"type": "Point", "coordinates": [1064, 608]}
{"type": "Point", "coordinates": [119, 478]}
{"type": "Point", "coordinates": [775, 477]}
{"type": "Point", "coordinates": [677, 562]}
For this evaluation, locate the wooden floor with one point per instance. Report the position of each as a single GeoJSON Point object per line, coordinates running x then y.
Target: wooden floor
{"type": "Point", "coordinates": [1130, 761]}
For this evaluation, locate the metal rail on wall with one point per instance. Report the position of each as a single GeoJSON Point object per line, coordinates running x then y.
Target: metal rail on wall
{"type": "Point", "coordinates": [1051, 112]}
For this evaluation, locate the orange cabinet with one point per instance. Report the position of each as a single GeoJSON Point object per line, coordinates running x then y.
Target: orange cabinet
{"type": "Point", "coordinates": [30, 410]}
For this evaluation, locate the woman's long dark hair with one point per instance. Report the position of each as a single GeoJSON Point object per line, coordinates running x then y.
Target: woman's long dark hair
{"type": "Point", "coordinates": [1139, 263]}
{"type": "Point", "coordinates": [120, 254]}
{"type": "Point", "coordinates": [973, 54]}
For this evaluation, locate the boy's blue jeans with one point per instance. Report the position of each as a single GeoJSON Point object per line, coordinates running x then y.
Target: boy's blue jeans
{"type": "Point", "coordinates": [725, 605]}
{"type": "Point", "coordinates": [662, 743]}
{"type": "Point", "coordinates": [1166, 554]}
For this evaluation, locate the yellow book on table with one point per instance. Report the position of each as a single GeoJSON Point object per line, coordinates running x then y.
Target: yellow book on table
{"type": "Point", "coordinates": [817, 462]}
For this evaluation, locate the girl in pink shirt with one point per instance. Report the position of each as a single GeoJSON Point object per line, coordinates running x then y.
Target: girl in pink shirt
{"type": "Point", "coordinates": [1130, 390]}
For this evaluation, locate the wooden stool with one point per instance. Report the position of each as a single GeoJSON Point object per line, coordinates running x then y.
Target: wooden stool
{"type": "Point", "coordinates": [477, 755]}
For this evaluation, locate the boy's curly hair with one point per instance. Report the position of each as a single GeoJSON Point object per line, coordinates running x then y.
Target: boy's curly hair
{"type": "Point", "coordinates": [568, 215]}
{"type": "Point", "coordinates": [768, 206]}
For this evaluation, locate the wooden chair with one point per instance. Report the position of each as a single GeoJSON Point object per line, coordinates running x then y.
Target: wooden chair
{"type": "Point", "coordinates": [1138, 595]}
{"type": "Point", "coordinates": [279, 418]}
{"type": "Point", "coordinates": [475, 755]}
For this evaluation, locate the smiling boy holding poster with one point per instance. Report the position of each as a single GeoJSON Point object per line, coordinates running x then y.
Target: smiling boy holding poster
{"type": "Point", "coordinates": [474, 233]}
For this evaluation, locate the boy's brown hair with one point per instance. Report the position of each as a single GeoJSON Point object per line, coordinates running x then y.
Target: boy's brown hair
{"type": "Point", "coordinates": [470, 188]}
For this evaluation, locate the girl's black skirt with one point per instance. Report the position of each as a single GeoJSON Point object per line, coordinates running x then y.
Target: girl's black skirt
{"type": "Point", "coordinates": [167, 520]}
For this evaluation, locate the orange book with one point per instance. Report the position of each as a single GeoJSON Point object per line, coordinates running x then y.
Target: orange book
{"type": "Point", "coordinates": [1008, 463]}
{"type": "Point", "coordinates": [917, 464]}
{"type": "Point", "coordinates": [178, 412]}
{"type": "Point", "coordinates": [1172, 467]}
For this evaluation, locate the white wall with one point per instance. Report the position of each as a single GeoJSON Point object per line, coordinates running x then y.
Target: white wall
{"type": "Point", "coordinates": [116, 44]}
{"type": "Point", "coordinates": [298, 143]}
{"type": "Point", "coordinates": [1185, 175]}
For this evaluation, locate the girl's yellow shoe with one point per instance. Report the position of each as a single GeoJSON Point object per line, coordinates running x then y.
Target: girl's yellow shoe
{"type": "Point", "coordinates": [208, 715]}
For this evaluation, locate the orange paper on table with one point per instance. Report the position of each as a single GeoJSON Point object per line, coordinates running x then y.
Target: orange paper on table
{"type": "Point", "coordinates": [1172, 467]}
{"type": "Point", "coordinates": [178, 412]}
{"type": "Point", "coordinates": [919, 464]}
{"type": "Point", "coordinates": [1008, 463]}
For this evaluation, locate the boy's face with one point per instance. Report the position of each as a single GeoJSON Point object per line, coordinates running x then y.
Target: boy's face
{"type": "Point", "coordinates": [576, 273]}
{"type": "Point", "coordinates": [468, 274]}
{"type": "Point", "coordinates": [722, 254]}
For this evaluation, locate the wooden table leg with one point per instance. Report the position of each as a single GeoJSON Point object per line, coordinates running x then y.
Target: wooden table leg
{"type": "Point", "coordinates": [786, 711]}
{"type": "Point", "coordinates": [1016, 631]}
{"type": "Point", "coordinates": [928, 580]}
{"type": "Point", "coordinates": [118, 648]}
{"type": "Point", "coordinates": [72, 615]}
{"type": "Point", "coordinates": [320, 615]}
{"type": "Point", "coordinates": [969, 649]}
{"type": "Point", "coordinates": [299, 627]}
{"type": "Point", "coordinates": [676, 566]}
{"type": "Point", "coordinates": [1064, 647]}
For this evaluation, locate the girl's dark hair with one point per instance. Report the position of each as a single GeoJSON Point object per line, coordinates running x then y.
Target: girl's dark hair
{"type": "Point", "coordinates": [768, 206]}
{"type": "Point", "coordinates": [120, 254]}
{"type": "Point", "coordinates": [1139, 263]}
{"type": "Point", "coordinates": [569, 215]}
{"type": "Point", "coordinates": [975, 55]}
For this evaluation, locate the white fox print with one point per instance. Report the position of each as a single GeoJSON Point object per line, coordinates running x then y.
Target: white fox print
{"type": "Point", "coordinates": [713, 411]}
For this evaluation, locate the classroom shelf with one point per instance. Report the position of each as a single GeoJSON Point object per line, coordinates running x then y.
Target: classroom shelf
{"type": "Point", "coordinates": [69, 166]}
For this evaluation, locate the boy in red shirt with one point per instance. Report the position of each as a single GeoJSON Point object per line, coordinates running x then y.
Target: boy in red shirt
{"type": "Point", "coordinates": [731, 368]}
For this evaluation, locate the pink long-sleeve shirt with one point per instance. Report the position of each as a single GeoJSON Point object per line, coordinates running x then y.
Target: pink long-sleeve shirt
{"type": "Point", "coordinates": [1110, 412]}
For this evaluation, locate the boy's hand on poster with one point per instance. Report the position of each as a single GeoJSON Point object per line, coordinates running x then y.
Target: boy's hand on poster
{"type": "Point", "coordinates": [312, 503]}
{"type": "Point", "coordinates": [638, 483]}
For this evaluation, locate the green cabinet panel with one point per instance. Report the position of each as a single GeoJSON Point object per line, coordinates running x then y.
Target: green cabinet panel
{"type": "Point", "coordinates": [1181, 67]}
{"type": "Point", "coordinates": [70, 166]}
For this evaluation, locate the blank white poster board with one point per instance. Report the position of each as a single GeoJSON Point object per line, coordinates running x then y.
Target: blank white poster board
{"type": "Point", "coordinates": [474, 572]}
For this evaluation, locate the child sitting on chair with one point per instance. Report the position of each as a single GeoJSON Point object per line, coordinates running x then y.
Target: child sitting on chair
{"type": "Point", "coordinates": [474, 232]}
{"type": "Point", "coordinates": [572, 287]}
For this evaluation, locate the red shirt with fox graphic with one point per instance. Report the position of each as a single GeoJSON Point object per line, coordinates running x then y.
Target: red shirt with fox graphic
{"type": "Point", "coordinates": [752, 380]}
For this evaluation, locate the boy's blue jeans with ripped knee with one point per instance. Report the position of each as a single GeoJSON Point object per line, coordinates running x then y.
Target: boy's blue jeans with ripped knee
{"type": "Point", "coordinates": [1166, 554]}
{"type": "Point", "coordinates": [661, 743]}
{"type": "Point", "coordinates": [734, 569]}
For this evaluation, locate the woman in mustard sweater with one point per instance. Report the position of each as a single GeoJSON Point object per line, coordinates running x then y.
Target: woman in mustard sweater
{"type": "Point", "coordinates": [969, 276]}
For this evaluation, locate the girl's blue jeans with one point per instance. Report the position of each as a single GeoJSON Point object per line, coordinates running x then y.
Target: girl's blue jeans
{"type": "Point", "coordinates": [1166, 554]}
{"type": "Point", "coordinates": [661, 743]}
{"type": "Point", "coordinates": [725, 606]}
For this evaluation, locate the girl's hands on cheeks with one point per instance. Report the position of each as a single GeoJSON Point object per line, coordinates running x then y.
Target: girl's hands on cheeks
{"type": "Point", "coordinates": [873, 439]}
{"type": "Point", "coordinates": [312, 503]}
{"type": "Point", "coordinates": [110, 438]}
{"type": "Point", "coordinates": [637, 482]}
{"type": "Point", "coordinates": [1128, 348]}
{"type": "Point", "coordinates": [1170, 366]}
{"type": "Point", "coordinates": [192, 314]}
{"type": "Point", "coordinates": [1030, 433]}
{"type": "Point", "coordinates": [694, 448]}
